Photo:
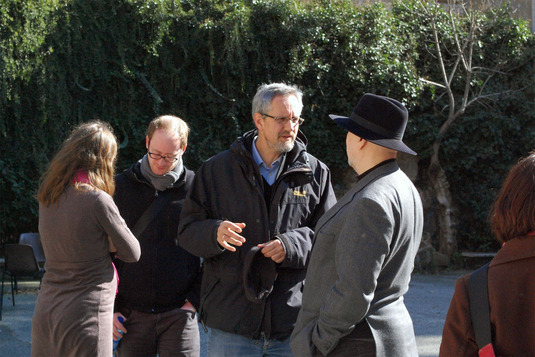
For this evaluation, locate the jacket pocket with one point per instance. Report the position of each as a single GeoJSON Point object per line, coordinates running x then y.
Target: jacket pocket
{"type": "Point", "coordinates": [207, 287]}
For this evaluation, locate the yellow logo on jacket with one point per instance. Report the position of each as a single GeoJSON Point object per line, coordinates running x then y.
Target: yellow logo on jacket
{"type": "Point", "coordinates": [300, 193]}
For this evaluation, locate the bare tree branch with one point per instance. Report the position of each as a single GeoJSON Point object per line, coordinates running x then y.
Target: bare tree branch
{"type": "Point", "coordinates": [432, 83]}
{"type": "Point", "coordinates": [496, 94]}
{"type": "Point", "coordinates": [460, 49]}
{"type": "Point", "coordinates": [442, 67]}
{"type": "Point", "coordinates": [468, 79]}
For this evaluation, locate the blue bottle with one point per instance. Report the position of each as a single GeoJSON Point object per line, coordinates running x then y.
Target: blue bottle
{"type": "Point", "coordinates": [116, 343]}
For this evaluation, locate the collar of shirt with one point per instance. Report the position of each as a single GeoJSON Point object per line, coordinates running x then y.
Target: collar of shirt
{"type": "Point", "coordinates": [269, 174]}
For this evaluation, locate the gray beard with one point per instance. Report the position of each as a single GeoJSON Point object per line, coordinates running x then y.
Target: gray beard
{"type": "Point", "coordinates": [283, 148]}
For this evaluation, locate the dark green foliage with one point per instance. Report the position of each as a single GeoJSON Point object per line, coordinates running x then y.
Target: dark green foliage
{"type": "Point", "coordinates": [126, 61]}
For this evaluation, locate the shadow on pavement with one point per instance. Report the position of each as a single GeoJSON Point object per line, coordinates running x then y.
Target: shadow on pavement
{"type": "Point", "coordinates": [427, 300]}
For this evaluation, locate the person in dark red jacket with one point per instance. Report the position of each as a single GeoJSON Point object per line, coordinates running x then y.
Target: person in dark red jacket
{"type": "Point", "coordinates": [511, 282]}
{"type": "Point", "coordinates": [158, 296]}
{"type": "Point", "coordinates": [251, 214]}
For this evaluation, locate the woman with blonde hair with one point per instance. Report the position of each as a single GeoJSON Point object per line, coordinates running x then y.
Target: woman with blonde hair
{"type": "Point", "coordinates": [511, 289]}
{"type": "Point", "coordinates": [79, 226]}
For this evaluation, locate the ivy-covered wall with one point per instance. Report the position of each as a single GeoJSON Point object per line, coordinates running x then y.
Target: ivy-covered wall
{"type": "Point", "coordinates": [126, 61]}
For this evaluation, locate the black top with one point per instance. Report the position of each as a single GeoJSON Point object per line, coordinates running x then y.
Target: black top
{"type": "Point", "coordinates": [165, 275]}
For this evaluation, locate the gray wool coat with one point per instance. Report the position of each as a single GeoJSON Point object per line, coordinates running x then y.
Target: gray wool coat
{"type": "Point", "coordinates": [361, 266]}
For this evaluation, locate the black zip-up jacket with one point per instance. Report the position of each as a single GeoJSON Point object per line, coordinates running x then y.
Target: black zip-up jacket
{"type": "Point", "coordinates": [165, 275]}
{"type": "Point", "coordinates": [230, 186]}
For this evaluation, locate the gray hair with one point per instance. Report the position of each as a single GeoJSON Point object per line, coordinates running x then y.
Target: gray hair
{"type": "Point", "coordinates": [266, 92]}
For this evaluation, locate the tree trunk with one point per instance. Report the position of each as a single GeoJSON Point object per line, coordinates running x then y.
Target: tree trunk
{"type": "Point", "coordinates": [446, 226]}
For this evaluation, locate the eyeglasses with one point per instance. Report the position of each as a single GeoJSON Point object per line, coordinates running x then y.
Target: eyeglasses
{"type": "Point", "coordinates": [166, 158]}
{"type": "Point", "coordinates": [283, 120]}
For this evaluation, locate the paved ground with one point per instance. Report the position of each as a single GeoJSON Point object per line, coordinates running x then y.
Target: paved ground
{"type": "Point", "coordinates": [427, 300]}
{"type": "Point", "coordinates": [16, 324]}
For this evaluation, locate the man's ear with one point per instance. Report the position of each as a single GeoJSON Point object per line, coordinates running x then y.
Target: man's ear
{"type": "Point", "coordinates": [258, 121]}
{"type": "Point", "coordinates": [147, 142]}
{"type": "Point", "coordinates": [184, 148]}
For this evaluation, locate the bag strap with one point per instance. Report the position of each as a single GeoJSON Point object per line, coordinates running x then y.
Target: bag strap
{"type": "Point", "coordinates": [150, 213]}
{"type": "Point", "coordinates": [478, 293]}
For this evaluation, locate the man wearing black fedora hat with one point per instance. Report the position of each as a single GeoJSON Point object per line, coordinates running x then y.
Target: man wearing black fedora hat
{"type": "Point", "coordinates": [365, 246]}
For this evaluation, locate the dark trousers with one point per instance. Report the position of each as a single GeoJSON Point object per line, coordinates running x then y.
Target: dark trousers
{"type": "Point", "coordinates": [172, 333]}
{"type": "Point", "coordinates": [359, 343]}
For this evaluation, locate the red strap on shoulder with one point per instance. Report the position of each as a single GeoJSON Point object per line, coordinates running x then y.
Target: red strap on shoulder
{"type": "Point", "coordinates": [487, 351]}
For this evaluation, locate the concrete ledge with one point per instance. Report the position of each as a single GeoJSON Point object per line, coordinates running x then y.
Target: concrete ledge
{"type": "Point", "coordinates": [473, 260]}
{"type": "Point", "coordinates": [478, 255]}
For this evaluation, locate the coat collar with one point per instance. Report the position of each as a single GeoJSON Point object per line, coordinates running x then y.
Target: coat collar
{"type": "Point", "coordinates": [296, 159]}
{"type": "Point", "coordinates": [378, 172]}
{"type": "Point", "coordinates": [515, 249]}
{"type": "Point", "coordinates": [372, 176]}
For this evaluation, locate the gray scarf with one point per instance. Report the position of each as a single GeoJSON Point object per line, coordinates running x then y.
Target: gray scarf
{"type": "Point", "coordinates": [161, 182]}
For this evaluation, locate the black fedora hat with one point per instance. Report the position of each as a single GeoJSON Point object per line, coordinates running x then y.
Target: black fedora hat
{"type": "Point", "coordinates": [380, 120]}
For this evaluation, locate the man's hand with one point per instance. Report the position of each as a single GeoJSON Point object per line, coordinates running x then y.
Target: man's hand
{"type": "Point", "coordinates": [118, 327]}
{"type": "Point", "coordinates": [227, 235]}
{"type": "Point", "coordinates": [274, 250]}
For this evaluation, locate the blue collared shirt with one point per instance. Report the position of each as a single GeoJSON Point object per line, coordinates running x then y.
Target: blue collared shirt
{"type": "Point", "coordinates": [269, 174]}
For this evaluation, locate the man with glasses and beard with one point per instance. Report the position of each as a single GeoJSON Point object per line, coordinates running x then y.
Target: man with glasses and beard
{"type": "Point", "coordinates": [250, 215]}
{"type": "Point", "coordinates": [157, 296]}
